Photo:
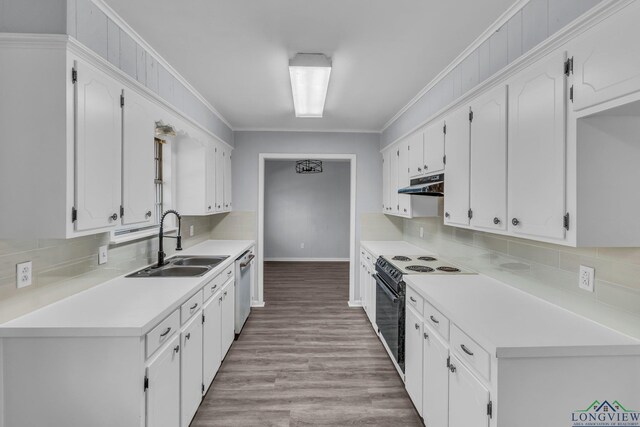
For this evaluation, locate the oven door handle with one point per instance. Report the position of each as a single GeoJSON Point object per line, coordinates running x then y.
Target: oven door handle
{"type": "Point", "coordinates": [382, 285]}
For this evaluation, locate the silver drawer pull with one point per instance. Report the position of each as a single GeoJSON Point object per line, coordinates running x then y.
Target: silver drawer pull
{"type": "Point", "coordinates": [213, 287]}
{"type": "Point", "coordinates": [434, 320]}
{"type": "Point", "coordinates": [193, 307]}
{"type": "Point", "coordinates": [417, 326]}
{"type": "Point", "coordinates": [452, 368]}
{"type": "Point", "coordinates": [466, 350]}
{"type": "Point", "coordinates": [412, 299]}
{"type": "Point", "coordinates": [229, 273]}
{"type": "Point", "coordinates": [164, 334]}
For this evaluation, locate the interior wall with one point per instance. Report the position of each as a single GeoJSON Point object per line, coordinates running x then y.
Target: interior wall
{"type": "Point", "coordinates": [306, 216]}
{"type": "Point", "coordinates": [546, 270]}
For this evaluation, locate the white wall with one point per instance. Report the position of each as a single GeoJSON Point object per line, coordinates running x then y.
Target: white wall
{"type": "Point", "coordinates": [306, 209]}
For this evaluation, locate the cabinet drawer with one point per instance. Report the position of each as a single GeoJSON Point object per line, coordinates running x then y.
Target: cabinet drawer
{"type": "Point", "coordinates": [162, 333]}
{"type": "Point", "coordinates": [470, 352]}
{"type": "Point", "coordinates": [191, 307]}
{"type": "Point", "coordinates": [414, 300]}
{"type": "Point", "coordinates": [436, 320]}
{"type": "Point", "coordinates": [216, 283]}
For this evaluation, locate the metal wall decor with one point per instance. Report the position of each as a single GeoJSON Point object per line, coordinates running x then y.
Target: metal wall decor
{"type": "Point", "coordinates": [309, 166]}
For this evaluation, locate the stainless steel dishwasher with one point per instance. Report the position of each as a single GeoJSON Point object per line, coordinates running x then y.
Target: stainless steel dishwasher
{"type": "Point", "coordinates": [244, 273]}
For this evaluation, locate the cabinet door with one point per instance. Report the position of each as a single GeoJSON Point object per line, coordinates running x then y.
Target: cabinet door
{"type": "Point", "coordinates": [191, 370]}
{"type": "Point", "coordinates": [163, 394]}
{"type": "Point", "coordinates": [227, 180]}
{"type": "Point", "coordinates": [228, 317]}
{"type": "Point", "coordinates": [607, 59]}
{"type": "Point", "coordinates": [416, 154]}
{"type": "Point", "coordinates": [468, 398]}
{"type": "Point", "coordinates": [98, 149]}
{"type": "Point", "coordinates": [371, 292]}
{"type": "Point", "coordinates": [434, 141]}
{"type": "Point", "coordinates": [404, 200]}
{"type": "Point", "coordinates": [435, 379]}
{"type": "Point", "coordinates": [211, 172]}
{"type": "Point", "coordinates": [138, 164]}
{"type": "Point", "coordinates": [393, 180]}
{"type": "Point", "coordinates": [211, 339]}
{"type": "Point", "coordinates": [536, 194]}
{"type": "Point", "coordinates": [385, 180]}
{"type": "Point", "coordinates": [489, 160]}
{"type": "Point", "coordinates": [456, 183]}
{"type": "Point", "coordinates": [364, 285]}
{"type": "Point", "coordinates": [220, 156]}
{"type": "Point", "coordinates": [413, 357]}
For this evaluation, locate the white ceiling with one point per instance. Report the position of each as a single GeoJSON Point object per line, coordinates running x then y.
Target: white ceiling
{"type": "Point", "coordinates": [236, 52]}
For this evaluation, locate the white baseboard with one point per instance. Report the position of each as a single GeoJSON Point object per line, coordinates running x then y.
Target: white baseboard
{"type": "Point", "coordinates": [258, 304]}
{"type": "Point", "coordinates": [354, 304]}
{"type": "Point", "coordinates": [308, 259]}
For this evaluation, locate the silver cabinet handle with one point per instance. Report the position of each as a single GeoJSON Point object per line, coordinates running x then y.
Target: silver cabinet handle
{"type": "Point", "coordinates": [419, 169]}
{"type": "Point", "coordinates": [229, 273]}
{"type": "Point", "coordinates": [466, 350]}
{"type": "Point", "coordinates": [425, 167]}
{"type": "Point", "coordinates": [113, 217]}
{"type": "Point", "coordinates": [496, 220]}
{"type": "Point", "coordinates": [452, 367]}
{"type": "Point", "coordinates": [193, 307]}
{"type": "Point", "coordinates": [176, 349]}
{"type": "Point", "coordinates": [417, 326]}
{"type": "Point", "coordinates": [426, 335]}
{"type": "Point", "coordinates": [434, 320]}
{"type": "Point", "coordinates": [148, 214]}
{"type": "Point", "coordinates": [515, 221]}
{"type": "Point", "coordinates": [188, 336]}
{"type": "Point", "coordinates": [225, 293]}
{"type": "Point", "coordinates": [213, 287]}
{"type": "Point", "coordinates": [413, 299]}
{"type": "Point", "coordinates": [447, 215]}
{"type": "Point", "coordinates": [164, 334]}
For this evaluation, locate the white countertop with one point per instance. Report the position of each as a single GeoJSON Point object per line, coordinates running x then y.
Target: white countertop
{"type": "Point", "coordinates": [508, 322]}
{"type": "Point", "coordinates": [391, 247]}
{"type": "Point", "coordinates": [122, 306]}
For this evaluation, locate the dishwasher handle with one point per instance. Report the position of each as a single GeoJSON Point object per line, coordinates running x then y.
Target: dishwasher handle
{"type": "Point", "coordinates": [248, 261]}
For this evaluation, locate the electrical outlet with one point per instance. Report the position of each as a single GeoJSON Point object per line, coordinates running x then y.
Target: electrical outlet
{"type": "Point", "coordinates": [103, 254]}
{"type": "Point", "coordinates": [421, 232]}
{"type": "Point", "coordinates": [301, 245]}
{"type": "Point", "coordinates": [586, 278]}
{"type": "Point", "coordinates": [192, 230]}
{"type": "Point", "coordinates": [23, 274]}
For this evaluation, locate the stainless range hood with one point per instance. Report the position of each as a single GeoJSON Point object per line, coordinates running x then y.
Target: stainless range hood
{"type": "Point", "coordinates": [432, 185]}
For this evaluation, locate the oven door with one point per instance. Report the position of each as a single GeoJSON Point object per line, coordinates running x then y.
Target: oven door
{"type": "Point", "coordinates": [390, 319]}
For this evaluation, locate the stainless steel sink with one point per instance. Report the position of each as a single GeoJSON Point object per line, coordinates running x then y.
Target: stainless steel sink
{"type": "Point", "coordinates": [182, 266]}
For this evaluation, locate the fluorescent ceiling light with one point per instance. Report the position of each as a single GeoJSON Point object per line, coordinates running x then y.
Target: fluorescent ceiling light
{"type": "Point", "coordinates": [309, 74]}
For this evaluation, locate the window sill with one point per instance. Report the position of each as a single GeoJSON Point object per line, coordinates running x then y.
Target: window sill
{"type": "Point", "coordinates": [130, 237]}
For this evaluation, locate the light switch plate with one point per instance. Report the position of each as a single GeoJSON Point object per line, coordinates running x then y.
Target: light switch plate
{"type": "Point", "coordinates": [421, 232]}
{"type": "Point", "coordinates": [23, 274]}
{"type": "Point", "coordinates": [192, 230]}
{"type": "Point", "coordinates": [103, 254]}
{"type": "Point", "coordinates": [586, 278]}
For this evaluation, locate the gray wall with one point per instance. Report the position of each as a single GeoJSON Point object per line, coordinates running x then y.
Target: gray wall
{"type": "Point", "coordinates": [309, 209]}
{"type": "Point", "coordinates": [537, 20]}
{"type": "Point", "coordinates": [83, 20]}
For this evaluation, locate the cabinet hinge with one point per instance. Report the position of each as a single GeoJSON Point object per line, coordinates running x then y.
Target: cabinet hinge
{"type": "Point", "coordinates": [444, 159]}
{"type": "Point", "coordinates": [122, 100]}
{"type": "Point", "coordinates": [202, 388]}
{"type": "Point", "coordinates": [74, 75]}
{"type": "Point", "coordinates": [566, 221]}
{"type": "Point", "coordinates": [146, 383]}
{"type": "Point", "coordinates": [470, 213]}
{"type": "Point", "coordinates": [448, 361]}
{"type": "Point", "coordinates": [409, 170]}
{"type": "Point", "coordinates": [121, 211]}
{"type": "Point", "coordinates": [203, 317]}
{"type": "Point", "coordinates": [568, 66]}
{"type": "Point", "coordinates": [74, 214]}
{"type": "Point", "coordinates": [470, 115]}
{"type": "Point", "coordinates": [444, 129]}
{"type": "Point", "coordinates": [571, 93]}
{"type": "Point", "coordinates": [490, 409]}
{"type": "Point", "coordinates": [398, 153]}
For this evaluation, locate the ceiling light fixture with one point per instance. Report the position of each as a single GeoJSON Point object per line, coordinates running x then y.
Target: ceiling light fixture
{"type": "Point", "coordinates": [309, 74]}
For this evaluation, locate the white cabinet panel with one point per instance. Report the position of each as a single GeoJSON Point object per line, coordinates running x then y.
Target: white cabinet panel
{"type": "Point", "coordinates": [433, 155]}
{"type": "Point", "coordinates": [371, 293]}
{"type": "Point", "coordinates": [211, 339]}
{"type": "Point", "coordinates": [416, 155]}
{"type": "Point", "coordinates": [393, 181]}
{"type": "Point", "coordinates": [211, 178]}
{"type": "Point", "coordinates": [435, 381]}
{"type": "Point", "coordinates": [163, 393]}
{"type": "Point", "coordinates": [220, 156]}
{"type": "Point", "coordinates": [536, 194]}
{"type": "Point", "coordinates": [386, 174]}
{"type": "Point", "coordinates": [98, 149]}
{"type": "Point", "coordinates": [468, 398]}
{"type": "Point", "coordinates": [191, 370]}
{"type": "Point", "coordinates": [228, 316]}
{"type": "Point", "coordinates": [404, 200]}
{"type": "Point", "coordinates": [489, 160]}
{"type": "Point", "coordinates": [138, 167]}
{"type": "Point", "coordinates": [413, 357]}
{"type": "Point", "coordinates": [456, 183]}
{"type": "Point", "coordinates": [607, 59]}
{"type": "Point", "coordinates": [227, 180]}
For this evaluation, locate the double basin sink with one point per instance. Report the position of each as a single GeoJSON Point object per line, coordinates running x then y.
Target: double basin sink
{"type": "Point", "coordinates": [182, 266]}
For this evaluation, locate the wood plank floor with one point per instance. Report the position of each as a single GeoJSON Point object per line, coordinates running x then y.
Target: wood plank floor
{"type": "Point", "coordinates": [307, 359]}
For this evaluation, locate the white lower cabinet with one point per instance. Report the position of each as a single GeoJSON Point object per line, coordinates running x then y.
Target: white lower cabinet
{"type": "Point", "coordinates": [368, 285]}
{"type": "Point", "coordinates": [191, 369]}
{"type": "Point", "coordinates": [162, 386]}
{"type": "Point", "coordinates": [435, 379]}
{"type": "Point", "coordinates": [413, 357]}
{"type": "Point", "coordinates": [211, 339]}
{"type": "Point", "coordinates": [228, 319]}
{"type": "Point", "coordinates": [468, 397]}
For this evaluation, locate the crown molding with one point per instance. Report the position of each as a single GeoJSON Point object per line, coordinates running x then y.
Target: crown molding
{"type": "Point", "coordinates": [363, 131]}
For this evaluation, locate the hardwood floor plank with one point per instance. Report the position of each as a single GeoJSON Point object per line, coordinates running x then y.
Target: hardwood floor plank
{"type": "Point", "coordinates": [305, 359]}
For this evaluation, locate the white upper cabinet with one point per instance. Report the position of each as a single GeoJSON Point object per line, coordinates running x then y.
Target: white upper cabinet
{"type": "Point", "coordinates": [386, 181]}
{"type": "Point", "coordinates": [536, 194]}
{"type": "Point", "coordinates": [394, 158]}
{"type": "Point", "coordinates": [404, 200]}
{"type": "Point", "coordinates": [138, 165]}
{"type": "Point", "coordinates": [489, 160]}
{"type": "Point", "coordinates": [227, 180]}
{"type": "Point", "coordinates": [220, 161]}
{"type": "Point", "coordinates": [416, 155]}
{"type": "Point", "coordinates": [434, 141]}
{"type": "Point", "coordinates": [98, 149]}
{"type": "Point", "coordinates": [456, 183]}
{"type": "Point", "coordinates": [606, 59]}
{"type": "Point", "coordinates": [210, 179]}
